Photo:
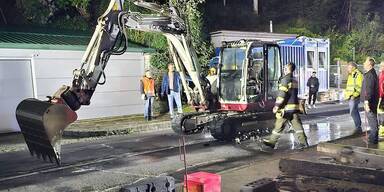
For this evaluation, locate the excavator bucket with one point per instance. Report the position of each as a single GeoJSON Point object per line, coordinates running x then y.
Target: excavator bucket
{"type": "Point", "coordinates": [42, 124]}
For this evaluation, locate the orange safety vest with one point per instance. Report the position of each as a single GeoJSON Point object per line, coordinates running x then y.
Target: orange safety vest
{"type": "Point", "coordinates": [148, 85]}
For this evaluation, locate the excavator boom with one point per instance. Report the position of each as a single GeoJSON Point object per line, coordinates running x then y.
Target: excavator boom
{"type": "Point", "coordinates": [42, 122]}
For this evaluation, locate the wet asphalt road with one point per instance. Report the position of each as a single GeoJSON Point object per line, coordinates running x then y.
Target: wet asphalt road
{"type": "Point", "coordinates": [109, 163]}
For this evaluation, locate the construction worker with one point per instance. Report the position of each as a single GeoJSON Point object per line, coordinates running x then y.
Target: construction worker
{"type": "Point", "coordinates": [370, 97]}
{"type": "Point", "coordinates": [287, 108]}
{"type": "Point", "coordinates": [352, 94]}
{"type": "Point", "coordinates": [380, 107]}
{"type": "Point", "coordinates": [147, 87]}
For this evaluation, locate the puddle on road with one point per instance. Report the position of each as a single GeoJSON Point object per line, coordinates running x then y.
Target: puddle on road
{"type": "Point", "coordinates": [325, 131]}
{"type": "Point", "coordinates": [316, 132]}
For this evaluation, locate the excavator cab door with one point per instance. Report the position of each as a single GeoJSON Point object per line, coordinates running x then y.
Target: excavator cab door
{"type": "Point", "coordinates": [272, 74]}
{"type": "Point", "coordinates": [263, 73]}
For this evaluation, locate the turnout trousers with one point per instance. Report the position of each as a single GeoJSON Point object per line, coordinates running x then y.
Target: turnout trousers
{"type": "Point", "coordinates": [280, 123]}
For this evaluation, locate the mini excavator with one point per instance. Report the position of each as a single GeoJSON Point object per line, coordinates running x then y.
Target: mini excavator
{"type": "Point", "coordinates": [236, 103]}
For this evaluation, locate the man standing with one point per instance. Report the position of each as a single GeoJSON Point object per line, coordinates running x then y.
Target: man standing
{"type": "Point", "coordinates": [380, 107]}
{"type": "Point", "coordinates": [370, 97]}
{"type": "Point", "coordinates": [171, 86]}
{"type": "Point", "coordinates": [147, 87]}
{"type": "Point", "coordinates": [313, 84]}
{"type": "Point", "coordinates": [287, 108]}
{"type": "Point", "coordinates": [352, 94]}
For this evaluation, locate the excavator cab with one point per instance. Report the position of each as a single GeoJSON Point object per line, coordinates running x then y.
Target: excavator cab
{"type": "Point", "coordinates": [248, 75]}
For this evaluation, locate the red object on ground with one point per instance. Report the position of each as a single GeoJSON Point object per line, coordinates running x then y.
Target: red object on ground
{"type": "Point", "coordinates": [203, 182]}
{"type": "Point", "coordinates": [381, 84]}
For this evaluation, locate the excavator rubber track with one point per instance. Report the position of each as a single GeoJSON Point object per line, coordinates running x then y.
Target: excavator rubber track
{"type": "Point", "coordinates": [42, 124]}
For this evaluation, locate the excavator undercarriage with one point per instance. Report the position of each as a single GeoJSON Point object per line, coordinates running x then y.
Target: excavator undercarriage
{"type": "Point", "coordinates": [225, 126]}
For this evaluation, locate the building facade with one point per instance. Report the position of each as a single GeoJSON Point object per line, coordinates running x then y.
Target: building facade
{"type": "Point", "coordinates": [36, 65]}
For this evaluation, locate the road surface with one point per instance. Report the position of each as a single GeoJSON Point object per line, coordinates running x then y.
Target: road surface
{"type": "Point", "coordinates": [108, 164]}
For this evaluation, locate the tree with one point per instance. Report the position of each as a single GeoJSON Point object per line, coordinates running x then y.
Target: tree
{"type": "Point", "coordinates": [191, 13]}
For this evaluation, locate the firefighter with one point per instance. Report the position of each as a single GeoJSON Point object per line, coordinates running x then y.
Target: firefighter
{"type": "Point", "coordinates": [380, 107]}
{"type": "Point", "coordinates": [352, 94]}
{"type": "Point", "coordinates": [287, 108]}
{"type": "Point", "coordinates": [370, 97]}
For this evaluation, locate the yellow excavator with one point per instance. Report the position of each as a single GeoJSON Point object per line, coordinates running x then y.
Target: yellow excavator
{"type": "Point", "coordinates": [236, 103]}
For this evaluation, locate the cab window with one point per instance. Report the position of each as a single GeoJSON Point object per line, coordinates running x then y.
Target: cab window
{"type": "Point", "coordinates": [274, 70]}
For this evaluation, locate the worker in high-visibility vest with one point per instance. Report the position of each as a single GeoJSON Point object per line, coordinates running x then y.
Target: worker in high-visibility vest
{"type": "Point", "coordinates": [352, 94]}
{"type": "Point", "coordinates": [380, 107]}
{"type": "Point", "coordinates": [147, 87]}
{"type": "Point", "coordinates": [287, 109]}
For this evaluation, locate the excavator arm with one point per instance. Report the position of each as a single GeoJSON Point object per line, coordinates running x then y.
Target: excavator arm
{"type": "Point", "coordinates": [42, 122]}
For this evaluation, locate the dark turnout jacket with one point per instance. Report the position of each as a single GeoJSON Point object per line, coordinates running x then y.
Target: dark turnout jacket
{"type": "Point", "coordinates": [370, 89]}
{"type": "Point", "coordinates": [313, 84]}
{"type": "Point", "coordinates": [287, 98]}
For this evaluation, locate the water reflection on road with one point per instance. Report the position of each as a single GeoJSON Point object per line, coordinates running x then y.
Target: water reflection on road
{"type": "Point", "coordinates": [317, 132]}
{"type": "Point", "coordinates": [323, 130]}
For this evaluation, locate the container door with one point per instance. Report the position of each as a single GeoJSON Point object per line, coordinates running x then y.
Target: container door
{"type": "Point", "coordinates": [15, 85]}
{"type": "Point", "coordinates": [323, 68]}
{"type": "Point", "coordinates": [311, 62]}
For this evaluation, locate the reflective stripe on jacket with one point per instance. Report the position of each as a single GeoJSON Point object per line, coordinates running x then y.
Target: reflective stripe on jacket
{"type": "Point", "coordinates": [287, 98]}
{"type": "Point", "coordinates": [354, 83]}
{"type": "Point", "coordinates": [147, 86]}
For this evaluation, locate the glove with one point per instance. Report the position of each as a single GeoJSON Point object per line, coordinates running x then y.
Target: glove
{"type": "Point", "coordinates": [275, 109]}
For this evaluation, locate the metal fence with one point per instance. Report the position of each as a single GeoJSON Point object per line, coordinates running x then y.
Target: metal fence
{"type": "Point", "coordinates": [337, 79]}
{"type": "Point", "coordinates": [337, 76]}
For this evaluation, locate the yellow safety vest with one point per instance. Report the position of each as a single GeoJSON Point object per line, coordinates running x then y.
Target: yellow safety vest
{"type": "Point", "coordinates": [354, 83]}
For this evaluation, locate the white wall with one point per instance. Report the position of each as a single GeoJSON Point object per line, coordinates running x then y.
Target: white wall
{"type": "Point", "coordinates": [53, 68]}
{"type": "Point", "coordinates": [15, 85]}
